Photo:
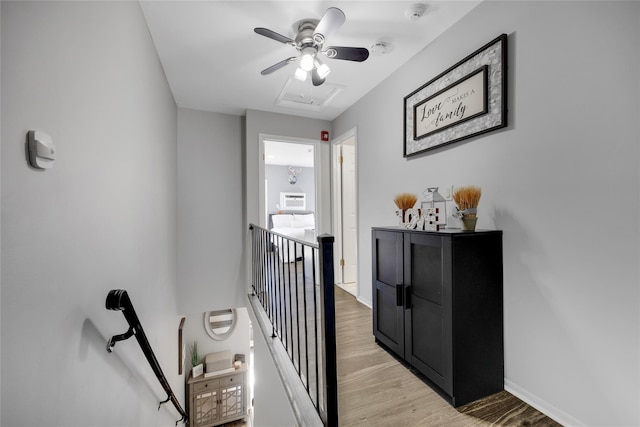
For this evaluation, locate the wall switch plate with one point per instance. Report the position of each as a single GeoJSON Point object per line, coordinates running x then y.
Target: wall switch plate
{"type": "Point", "coordinates": [447, 192]}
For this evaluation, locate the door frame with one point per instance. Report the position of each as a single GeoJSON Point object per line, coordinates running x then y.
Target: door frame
{"type": "Point", "coordinates": [336, 202]}
{"type": "Point", "coordinates": [317, 174]}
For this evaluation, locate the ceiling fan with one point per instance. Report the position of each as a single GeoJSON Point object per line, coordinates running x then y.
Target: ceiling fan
{"type": "Point", "coordinates": [309, 42]}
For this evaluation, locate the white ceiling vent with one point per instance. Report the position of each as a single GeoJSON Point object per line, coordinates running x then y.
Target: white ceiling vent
{"type": "Point", "coordinates": [303, 95]}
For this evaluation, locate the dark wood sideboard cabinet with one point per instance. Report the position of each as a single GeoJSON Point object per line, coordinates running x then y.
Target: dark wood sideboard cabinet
{"type": "Point", "coordinates": [437, 305]}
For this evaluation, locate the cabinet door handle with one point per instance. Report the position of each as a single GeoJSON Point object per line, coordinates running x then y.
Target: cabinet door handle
{"type": "Point", "coordinates": [398, 295]}
{"type": "Point", "coordinates": [407, 297]}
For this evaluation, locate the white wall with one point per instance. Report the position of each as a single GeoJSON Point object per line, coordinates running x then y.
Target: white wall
{"type": "Point", "coordinates": [562, 181]}
{"type": "Point", "coordinates": [210, 219]}
{"type": "Point", "coordinates": [271, 405]}
{"type": "Point", "coordinates": [103, 218]}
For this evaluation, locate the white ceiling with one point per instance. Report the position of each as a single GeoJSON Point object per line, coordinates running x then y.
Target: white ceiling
{"type": "Point", "coordinates": [212, 57]}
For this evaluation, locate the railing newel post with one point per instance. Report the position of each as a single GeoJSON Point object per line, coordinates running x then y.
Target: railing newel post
{"type": "Point", "coordinates": [327, 283]}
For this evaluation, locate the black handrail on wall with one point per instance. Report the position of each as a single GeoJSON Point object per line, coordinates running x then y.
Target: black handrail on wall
{"type": "Point", "coordinates": [118, 299]}
{"type": "Point", "coordinates": [285, 275]}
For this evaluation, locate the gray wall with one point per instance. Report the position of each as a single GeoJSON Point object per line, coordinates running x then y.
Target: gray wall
{"type": "Point", "coordinates": [277, 177]}
{"type": "Point", "coordinates": [210, 221]}
{"type": "Point", "coordinates": [570, 153]}
{"type": "Point", "coordinates": [103, 218]}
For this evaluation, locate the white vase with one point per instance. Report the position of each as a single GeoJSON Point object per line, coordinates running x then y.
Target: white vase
{"type": "Point", "coordinates": [197, 370]}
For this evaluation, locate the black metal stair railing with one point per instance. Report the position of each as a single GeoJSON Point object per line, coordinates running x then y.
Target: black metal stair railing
{"type": "Point", "coordinates": [293, 280]}
{"type": "Point", "coordinates": [118, 299]}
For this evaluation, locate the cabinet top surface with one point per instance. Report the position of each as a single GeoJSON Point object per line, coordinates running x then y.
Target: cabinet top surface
{"type": "Point", "coordinates": [445, 232]}
{"type": "Point", "coordinates": [190, 380]}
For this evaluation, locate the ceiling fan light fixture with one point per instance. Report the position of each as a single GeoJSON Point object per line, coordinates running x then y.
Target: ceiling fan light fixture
{"type": "Point", "coordinates": [323, 70]}
{"type": "Point", "coordinates": [301, 74]}
{"type": "Point", "coordinates": [307, 59]}
{"type": "Point", "coordinates": [309, 40]}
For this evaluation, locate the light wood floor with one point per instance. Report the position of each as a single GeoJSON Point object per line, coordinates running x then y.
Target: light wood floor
{"type": "Point", "coordinates": [374, 389]}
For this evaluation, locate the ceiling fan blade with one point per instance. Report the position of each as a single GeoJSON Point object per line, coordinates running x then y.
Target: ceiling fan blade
{"type": "Point", "coordinates": [277, 66]}
{"type": "Point", "coordinates": [357, 54]}
{"type": "Point", "coordinates": [315, 78]}
{"type": "Point", "coordinates": [332, 19]}
{"type": "Point", "coordinates": [273, 35]}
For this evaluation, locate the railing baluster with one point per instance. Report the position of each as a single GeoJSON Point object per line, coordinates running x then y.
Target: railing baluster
{"type": "Point", "coordinates": [298, 311]}
{"type": "Point", "coordinates": [262, 275]}
{"type": "Point", "coordinates": [255, 256]}
{"type": "Point", "coordinates": [267, 272]}
{"type": "Point", "coordinates": [295, 276]}
{"type": "Point", "coordinates": [287, 292]}
{"type": "Point", "coordinates": [272, 285]}
{"type": "Point", "coordinates": [306, 320]}
{"type": "Point", "coordinates": [267, 266]}
{"type": "Point", "coordinates": [281, 298]}
{"type": "Point", "coordinates": [315, 337]}
{"type": "Point", "coordinates": [276, 291]}
{"type": "Point", "coordinates": [263, 265]}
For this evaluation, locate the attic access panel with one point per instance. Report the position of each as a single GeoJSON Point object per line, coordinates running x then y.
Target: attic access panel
{"type": "Point", "coordinates": [299, 94]}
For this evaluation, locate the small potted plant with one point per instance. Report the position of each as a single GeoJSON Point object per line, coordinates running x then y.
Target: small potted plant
{"type": "Point", "coordinates": [404, 201]}
{"type": "Point", "coordinates": [197, 367]}
{"type": "Point", "coordinates": [467, 199]}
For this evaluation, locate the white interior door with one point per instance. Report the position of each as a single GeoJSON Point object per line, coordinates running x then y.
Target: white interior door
{"type": "Point", "coordinates": [336, 196]}
{"type": "Point", "coordinates": [349, 218]}
{"type": "Point", "coordinates": [343, 193]}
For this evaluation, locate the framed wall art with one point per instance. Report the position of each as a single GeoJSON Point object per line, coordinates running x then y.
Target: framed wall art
{"type": "Point", "coordinates": [467, 100]}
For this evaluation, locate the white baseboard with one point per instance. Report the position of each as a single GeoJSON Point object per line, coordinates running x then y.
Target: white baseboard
{"type": "Point", "coordinates": [363, 302]}
{"type": "Point", "coordinates": [542, 405]}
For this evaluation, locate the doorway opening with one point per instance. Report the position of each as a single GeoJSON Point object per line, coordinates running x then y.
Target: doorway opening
{"type": "Point", "coordinates": [345, 225]}
{"type": "Point", "coordinates": [289, 172]}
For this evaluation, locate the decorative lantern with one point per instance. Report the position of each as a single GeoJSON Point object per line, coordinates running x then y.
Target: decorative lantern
{"type": "Point", "coordinates": [433, 204]}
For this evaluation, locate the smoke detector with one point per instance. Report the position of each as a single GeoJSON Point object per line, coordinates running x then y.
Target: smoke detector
{"type": "Point", "coordinates": [378, 49]}
{"type": "Point", "coordinates": [415, 12]}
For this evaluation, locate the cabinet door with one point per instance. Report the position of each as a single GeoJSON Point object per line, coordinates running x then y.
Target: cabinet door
{"type": "Point", "coordinates": [232, 397]}
{"type": "Point", "coordinates": [388, 316]}
{"type": "Point", "coordinates": [204, 403]}
{"type": "Point", "coordinates": [427, 277]}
